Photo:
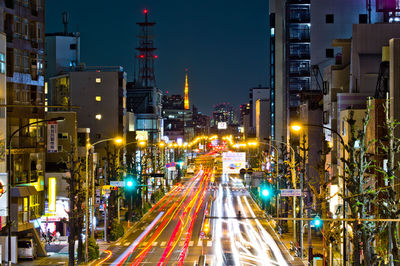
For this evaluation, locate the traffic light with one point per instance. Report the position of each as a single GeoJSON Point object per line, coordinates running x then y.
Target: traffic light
{"type": "Point", "coordinates": [181, 163]}
{"type": "Point", "coordinates": [130, 183]}
{"type": "Point", "coordinates": [317, 221]}
{"type": "Point", "coordinates": [266, 192]}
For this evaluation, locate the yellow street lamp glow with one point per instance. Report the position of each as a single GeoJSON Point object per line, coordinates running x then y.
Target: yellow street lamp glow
{"type": "Point", "coordinates": [142, 143]}
{"type": "Point", "coordinates": [252, 143]}
{"type": "Point", "coordinates": [296, 127]}
{"type": "Point", "coordinates": [161, 144]}
{"type": "Point", "coordinates": [118, 140]}
{"type": "Point", "coordinates": [170, 145]}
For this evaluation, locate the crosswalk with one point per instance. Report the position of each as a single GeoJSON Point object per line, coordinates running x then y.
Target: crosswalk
{"type": "Point", "coordinates": [162, 244]}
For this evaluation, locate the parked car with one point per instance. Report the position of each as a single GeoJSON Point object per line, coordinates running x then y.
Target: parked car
{"type": "Point", "coordinates": [26, 248]}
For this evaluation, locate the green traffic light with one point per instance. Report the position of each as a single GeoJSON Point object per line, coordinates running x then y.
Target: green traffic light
{"type": "Point", "coordinates": [129, 183]}
{"type": "Point", "coordinates": [317, 221]}
{"type": "Point", "coordinates": [265, 192]}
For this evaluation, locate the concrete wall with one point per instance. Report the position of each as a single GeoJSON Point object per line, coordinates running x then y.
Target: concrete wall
{"type": "Point", "coordinates": [59, 54]}
{"type": "Point", "coordinates": [366, 54]}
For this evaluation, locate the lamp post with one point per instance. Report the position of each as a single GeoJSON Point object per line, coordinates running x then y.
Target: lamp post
{"type": "Point", "coordinates": [9, 177]}
{"type": "Point", "coordinates": [89, 147]}
{"type": "Point", "coordinates": [297, 127]}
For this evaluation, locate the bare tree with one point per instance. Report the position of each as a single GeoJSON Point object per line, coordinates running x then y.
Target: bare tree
{"type": "Point", "coordinates": [360, 186]}
{"type": "Point", "coordinates": [75, 190]}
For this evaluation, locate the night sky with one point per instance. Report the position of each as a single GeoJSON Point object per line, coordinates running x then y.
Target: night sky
{"type": "Point", "coordinates": [223, 43]}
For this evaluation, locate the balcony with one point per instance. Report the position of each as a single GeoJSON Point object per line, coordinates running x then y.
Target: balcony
{"type": "Point", "coordinates": [299, 15]}
{"type": "Point", "coordinates": [299, 36]}
{"type": "Point", "coordinates": [299, 84]}
{"type": "Point", "coordinates": [26, 142]}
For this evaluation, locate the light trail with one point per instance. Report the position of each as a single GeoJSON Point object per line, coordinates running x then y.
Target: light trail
{"type": "Point", "coordinates": [133, 246]}
{"type": "Point", "coordinates": [189, 234]}
{"type": "Point", "coordinates": [267, 237]}
{"type": "Point", "coordinates": [139, 258]}
{"type": "Point", "coordinates": [172, 244]}
{"type": "Point", "coordinates": [106, 258]}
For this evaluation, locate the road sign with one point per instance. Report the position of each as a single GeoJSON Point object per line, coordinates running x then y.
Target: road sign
{"type": "Point", "coordinates": [117, 183]}
{"type": "Point", "coordinates": [202, 234]}
{"type": "Point", "coordinates": [290, 192]}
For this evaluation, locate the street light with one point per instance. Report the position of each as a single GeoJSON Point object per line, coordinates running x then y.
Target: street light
{"type": "Point", "coordinates": [297, 127]}
{"type": "Point", "coordinates": [9, 176]}
{"type": "Point", "coordinates": [89, 146]}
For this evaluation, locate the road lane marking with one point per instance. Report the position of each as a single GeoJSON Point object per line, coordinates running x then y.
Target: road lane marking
{"type": "Point", "coordinates": [154, 244]}
{"type": "Point", "coordinates": [132, 247]}
{"type": "Point", "coordinates": [163, 244]}
{"type": "Point", "coordinates": [200, 243]}
{"type": "Point", "coordinates": [191, 243]}
{"type": "Point", "coordinates": [209, 243]}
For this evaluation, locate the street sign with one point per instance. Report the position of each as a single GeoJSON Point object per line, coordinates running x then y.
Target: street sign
{"type": "Point", "coordinates": [290, 192]}
{"type": "Point", "coordinates": [117, 183]}
{"type": "Point", "coordinates": [202, 234]}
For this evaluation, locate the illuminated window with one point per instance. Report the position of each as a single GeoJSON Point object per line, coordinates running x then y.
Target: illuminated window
{"type": "Point", "coordinates": [98, 116]}
{"type": "Point", "coordinates": [2, 63]}
{"type": "Point", "coordinates": [98, 98]}
{"type": "Point", "coordinates": [98, 80]}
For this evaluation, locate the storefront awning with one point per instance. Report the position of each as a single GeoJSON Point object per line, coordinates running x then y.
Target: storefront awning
{"type": "Point", "coordinates": [23, 191]}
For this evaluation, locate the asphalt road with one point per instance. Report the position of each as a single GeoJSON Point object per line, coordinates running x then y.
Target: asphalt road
{"type": "Point", "coordinates": [208, 202]}
{"type": "Point", "coordinates": [169, 233]}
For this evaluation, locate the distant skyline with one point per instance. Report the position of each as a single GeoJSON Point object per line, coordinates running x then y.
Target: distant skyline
{"type": "Point", "coordinates": [223, 44]}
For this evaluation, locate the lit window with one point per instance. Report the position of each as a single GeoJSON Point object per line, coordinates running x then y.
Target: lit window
{"type": "Point", "coordinates": [98, 98]}
{"type": "Point", "coordinates": [2, 63]}
{"type": "Point", "coordinates": [98, 116]}
{"type": "Point", "coordinates": [98, 80]}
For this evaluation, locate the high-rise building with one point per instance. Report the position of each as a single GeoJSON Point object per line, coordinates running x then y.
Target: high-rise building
{"type": "Point", "coordinates": [224, 112]}
{"type": "Point", "coordinates": [301, 34]}
{"type": "Point", "coordinates": [23, 24]}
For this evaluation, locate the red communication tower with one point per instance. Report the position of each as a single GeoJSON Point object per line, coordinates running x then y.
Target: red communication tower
{"type": "Point", "coordinates": [146, 56]}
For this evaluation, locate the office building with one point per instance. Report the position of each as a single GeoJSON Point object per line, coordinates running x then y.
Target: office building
{"type": "Point", "coordinates": [300, 51]}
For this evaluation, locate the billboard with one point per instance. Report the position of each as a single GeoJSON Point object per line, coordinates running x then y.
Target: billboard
{"type": "Point", "coordinates": [232, 162]}
{"type": "Point", "coordinates": [222, 125]}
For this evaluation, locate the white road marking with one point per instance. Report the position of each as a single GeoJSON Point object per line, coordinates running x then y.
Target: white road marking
{"type": "Point", "coordinates": [209, 243]}
{"type": "Point", "coordinates": [191, 243]}
{"type": "Point", "coordinates": [163, 244]}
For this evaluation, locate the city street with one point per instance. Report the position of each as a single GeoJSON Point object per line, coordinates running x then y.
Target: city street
{"type": "Point", "coordinates": [198, 218]}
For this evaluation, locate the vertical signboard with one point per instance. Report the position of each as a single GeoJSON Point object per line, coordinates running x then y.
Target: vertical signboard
{"type": "Point", "coordinates": [52, 136]}
{"type": "Point", "coordinates": [52, 194]}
